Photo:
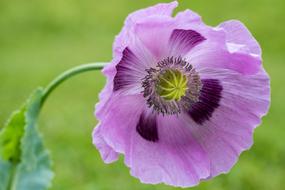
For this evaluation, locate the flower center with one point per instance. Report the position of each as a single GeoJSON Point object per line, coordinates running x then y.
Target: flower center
{"type": "Point", "coordinates": [172, 84]}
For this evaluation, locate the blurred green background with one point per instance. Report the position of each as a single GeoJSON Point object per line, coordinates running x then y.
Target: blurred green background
{"type": "Point", "coordinates": [41, 38]}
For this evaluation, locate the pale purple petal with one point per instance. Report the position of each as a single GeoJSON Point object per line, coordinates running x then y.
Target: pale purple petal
{"type": "Point", "coordinates": [237, 33]}
{"type": "Point", "coordinates": [154, 33]}
{"type": "Point", "coordinates": [186, 162]}
{"type": "Point", "coordinates": [130, 71]}
{"type": "Point", "coordinates": [188, 18]}
{"type": "Point", "coordinates": [106, 93]}
{"type": "Point", "coordinates": [107, 153]}
{"type": "Point", "coordinates": [124, 113]}
{"type": "Point", "coordinates": [245, 99]}
{"type": "Point", "coordinates": [161, 9]}
{"type": "Point", "coordinates": [182, 41]}
{"type": "Point", "coordinates": [124, 38]}
{"type": "Point", "coordinates": [219, 51]}
{"type": "Point", "coordinates": [216, 54]}
{"type": "Point", "coordinates": [147, 126]}
{"type": "Point", "coordinates": [209, 99]}
{"type": "Point", "coordinates": [175, 159]}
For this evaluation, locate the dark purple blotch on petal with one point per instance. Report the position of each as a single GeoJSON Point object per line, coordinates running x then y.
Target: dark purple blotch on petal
{"type": "Point", "coordinates": [147, 127]}
{"type": "Point", "coordinates": [209, 99]}
{"type": "Point", "coordinates": [125, 69]}
{"type": "Point", "coordinates": [182, 41]}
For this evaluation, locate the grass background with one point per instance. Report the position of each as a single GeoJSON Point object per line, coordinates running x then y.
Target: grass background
{"type": "Point", "coordinates": [41, 38]}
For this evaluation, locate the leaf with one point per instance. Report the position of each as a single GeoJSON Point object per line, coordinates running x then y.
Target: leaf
{"type": "Point", "coordinates": [5, 171]}
{"type": "Point", "coordinates": [11, 135]}
{"type": "Point", "coordinates": [24, 162]}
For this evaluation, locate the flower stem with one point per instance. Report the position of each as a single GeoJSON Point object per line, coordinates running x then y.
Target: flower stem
{"type": "Point", "coordinates": [69, 73]}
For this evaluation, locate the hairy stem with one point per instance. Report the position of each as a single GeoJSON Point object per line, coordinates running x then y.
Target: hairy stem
{"type": "Point", "coordinates": [68, 74]}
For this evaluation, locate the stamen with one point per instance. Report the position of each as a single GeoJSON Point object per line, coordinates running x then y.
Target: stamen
{"type": "Point", "coordinates": [172, 87]}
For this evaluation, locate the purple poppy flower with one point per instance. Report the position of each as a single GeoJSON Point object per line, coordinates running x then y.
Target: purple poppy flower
{"type": "Point", "coordinates": [182, 98]}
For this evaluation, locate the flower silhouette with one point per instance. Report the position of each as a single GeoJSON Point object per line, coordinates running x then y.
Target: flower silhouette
{"type": "Point", "coordinates": [182, 98]}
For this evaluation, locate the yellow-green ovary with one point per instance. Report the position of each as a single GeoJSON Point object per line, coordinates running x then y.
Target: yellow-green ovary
{"type": "Point", "coordinates": [172, 85]}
